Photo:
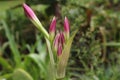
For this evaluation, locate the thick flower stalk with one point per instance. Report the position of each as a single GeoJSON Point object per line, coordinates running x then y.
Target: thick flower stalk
{"type": "Point", "coordinates": [58, 43]}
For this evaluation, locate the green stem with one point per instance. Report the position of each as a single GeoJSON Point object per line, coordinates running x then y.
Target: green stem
{"type": "Point", "coordinates": [52, 69]}
{"type": "Point", "coordinates": [37, 23]}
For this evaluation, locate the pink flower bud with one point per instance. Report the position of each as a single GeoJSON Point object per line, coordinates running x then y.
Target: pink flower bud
{"type": "Point", "coordinates": [53, 25]}
{"type": "Point", "coordinates": [66, 26]}
{"type": "Point", "coordinates": [31, 15]}
{"type": "Point", "coordinates": [59, 43]}
{"type": "Point", "coordinates": [29, 12]}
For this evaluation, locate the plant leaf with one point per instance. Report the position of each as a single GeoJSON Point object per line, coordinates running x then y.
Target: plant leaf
{"type": "Point", "coordinates": [12, 44]}
{"type": "Point", "coordinates": [5, 64]}
{"type": "Point", "coordinates": [52, 68]}
{"type": "Point", "coordinates": [20, 74]}
{"type": "Point", "coordinates": [63, 58]}
{"type": "Point", "coordinates": [36, 59]}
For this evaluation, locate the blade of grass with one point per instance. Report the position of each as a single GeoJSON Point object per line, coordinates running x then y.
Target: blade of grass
{"type": "Point", "coordinates": [5, 64]}
{"type": "Point", "coordinates": [12, 44]}
{"type": "Point", "coordinates": [117, 44]}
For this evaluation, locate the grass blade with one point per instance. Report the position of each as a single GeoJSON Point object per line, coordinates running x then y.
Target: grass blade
{"type": "Point", "coordinates": [12, 44]}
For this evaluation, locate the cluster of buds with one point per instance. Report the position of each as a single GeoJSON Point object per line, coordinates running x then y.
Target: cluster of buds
{"type": "Point", "coordinates": [57, 42]}
{"type": "Point", "coordinates": [61, 37]}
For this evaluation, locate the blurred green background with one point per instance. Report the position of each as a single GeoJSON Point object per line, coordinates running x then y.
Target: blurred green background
{"type": "Point", "coordinates": [95, 53]}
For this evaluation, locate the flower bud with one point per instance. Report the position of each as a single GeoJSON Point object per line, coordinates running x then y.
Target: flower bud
{"type": "Point", "coordinates": [31, 15]}
{"type": "Point", "coordinates": [52, 28]}
{"type": "Point", "coordinates": [52, 25]}
{"type": "Point", "coordinates": [29, 12]}
{"type": "Point", "coordinates": [66, 27]}
{"type": "Point", "coordinates": [59, 43]}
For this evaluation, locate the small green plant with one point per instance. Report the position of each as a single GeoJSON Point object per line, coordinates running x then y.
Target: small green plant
{"type": "Point", "coordinates": [58, 44]}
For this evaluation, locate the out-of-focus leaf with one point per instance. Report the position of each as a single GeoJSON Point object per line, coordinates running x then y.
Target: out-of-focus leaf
{"type": "Point", "coordinates": [40, 8]}
{"type": "Point", "coordinates": [12, 44]}
{"type": "Point", "coordinates": [3, 15]}
{"type": "Point", "coordinates": [5, 64]}
{"type": "Point", "coordinates": [117, 44]}
{"type": "Point", "coordinates": [4, 5]}
{"type": "Point", "coordinates": [6, 76]}
{"type": "Point", "coordinates": [20, 74]}
{"type": "Point", "coordinates": [37, 60]}
{"type": "Point", "coordinates": [40, 65]}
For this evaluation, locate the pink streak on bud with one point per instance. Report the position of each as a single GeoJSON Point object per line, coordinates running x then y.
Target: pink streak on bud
{"type": "Point", "coordinates": [53, 25]}
{"type": "Point", "coordinates": [56, 41]}
{"type": "Point", "coordinates": [62, 38]}
{"type": "Point", "coordinates": [29, 12]}
{"type": "Point", "coordinates": [59, 51]}
{"type": "Point", "coordinates": [66, 25]}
